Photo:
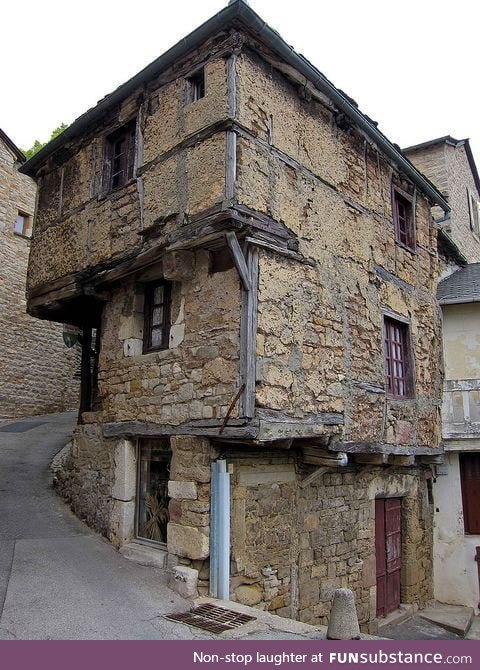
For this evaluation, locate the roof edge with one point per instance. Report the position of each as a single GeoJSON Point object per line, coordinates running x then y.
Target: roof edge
{"type": "Point", "coordinates": [446, 139]}
{"type": "Point", "coordinates": [12, 146]}
{"type": "Point", "coordinates": [238, 9]}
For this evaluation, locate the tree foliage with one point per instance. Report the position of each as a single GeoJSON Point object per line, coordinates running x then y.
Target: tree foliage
{"type": "Point", "coordinates": [37, 145]}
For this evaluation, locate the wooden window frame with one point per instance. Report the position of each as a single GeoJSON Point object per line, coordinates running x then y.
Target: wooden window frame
{"type": "Point", "coordinates": [470, 500]}
{"type": "Point", "coordinates": [398, 355]}
{"type": "Point", "coordinates": [26, 231]}
{"type": "Point", "coordinates": [196, 85]}
{"type": "Point", "coordinates": [165, 324]}
{"type": "Point", "coordinates": [474, 213]}
{"type": "Point", "coordinates": [126, 159]}
{"type": "Point", "coordinates": [404, 225]}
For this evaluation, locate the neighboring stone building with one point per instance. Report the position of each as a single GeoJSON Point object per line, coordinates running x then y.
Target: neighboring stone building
{"type": "Point", "coordinates": [257, 265]}
{"type": "Point", "coordinates": [37, 372]}
{"type": "Point", "coordinates": [449, 163]}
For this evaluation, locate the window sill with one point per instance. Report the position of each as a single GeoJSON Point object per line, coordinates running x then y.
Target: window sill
{"type": "Point", "coordinates": [412, 250]}
{"type": "Point", "coordinates": [400, 398]}
{"type": "Point", "coordinates": [155, 350]}
{"type": "Point", "coordinates": [114, 192]}
{"type": "Point", "coordinates": [21, 235]}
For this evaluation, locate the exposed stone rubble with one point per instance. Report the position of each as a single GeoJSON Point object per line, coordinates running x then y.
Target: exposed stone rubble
{"type": "Point", "coordinates": [276, 354]}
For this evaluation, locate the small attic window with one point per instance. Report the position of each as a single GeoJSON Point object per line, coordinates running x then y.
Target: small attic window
{"type": "Point", "coordinates": [196, 85]}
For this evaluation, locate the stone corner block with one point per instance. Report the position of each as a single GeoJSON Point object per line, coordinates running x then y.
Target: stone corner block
{"type": "Point", "coordinates": [184, 581]}
{"type": "Point", "coordinates": [122, 522]}
{"type": "Point", "coordinates": [186, 541]}
{"type": "Point", "coordinates": [182, 490]}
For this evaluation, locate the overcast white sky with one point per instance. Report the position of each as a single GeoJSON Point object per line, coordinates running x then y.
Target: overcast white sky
{"type": "Point", "coordinates": [412, 65]}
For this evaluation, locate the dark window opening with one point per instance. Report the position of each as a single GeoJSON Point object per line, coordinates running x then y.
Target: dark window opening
{"type": "Point", "coordinates": [120, 157]}
{"type": "Point", "coordinates": [403, 217]}
{"type": "Point", "coordinates": [397, 359]}
{"type": "Point", "coordinates": [152, 490]}
{"type": "Point", "coordinates": [220, 261]}
{"type": "Point", "coordinates": [156, 332]}
{"type": "Point", "coordinates": [197, 85]}
{"type": "Point", "coordinates": [470, 480]}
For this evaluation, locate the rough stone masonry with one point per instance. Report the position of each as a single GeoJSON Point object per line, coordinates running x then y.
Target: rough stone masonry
{"type": "Point", "coordinates": [37, 372]}
{"type": "Point", "coordinates": [268, 212]}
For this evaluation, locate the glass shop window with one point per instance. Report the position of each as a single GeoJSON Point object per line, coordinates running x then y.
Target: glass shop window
{"type": "Point", "coordinates": [152, 490]}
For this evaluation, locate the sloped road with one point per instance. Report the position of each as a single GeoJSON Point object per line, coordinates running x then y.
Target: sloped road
{"type": "Point", "coordinates": [61, 581]}
{"type": "Point", "coordinates": [58, 579]}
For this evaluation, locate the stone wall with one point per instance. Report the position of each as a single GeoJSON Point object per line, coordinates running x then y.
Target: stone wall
{"type": "Point", "coordinates": [87, 477]}
{"type": "Point", "coordinates": [320, 320]}
{"type": "Point", "coordinates": [198, 376]}
{"type": "Point", "coordinates": [448, 168]}
{"type": "Point", "coordinates": [293, 546]}
{"type": "Point", "coordinates": [85, 225]}
{"type": "Point", "coordinates": [37, 370]}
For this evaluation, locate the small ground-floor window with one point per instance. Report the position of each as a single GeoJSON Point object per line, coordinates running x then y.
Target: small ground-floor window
{"type": "Point", "coordinates": [152, 490]}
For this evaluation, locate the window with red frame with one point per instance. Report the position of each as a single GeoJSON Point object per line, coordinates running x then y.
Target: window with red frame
{"type": "Point", "coordinates": [403, 217]}
{"type": "Point", "coordinates": [398, 359]}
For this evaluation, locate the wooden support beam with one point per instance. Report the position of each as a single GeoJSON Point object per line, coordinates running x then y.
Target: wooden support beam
{"type": "Point", "coordinates": [382, 448]}
{"type": "Point", "coordinates": [316, 456]}
{"type": "Point", "coordinates": [236, 429]}
{"type": "Point", "coordinates": [319, 472]}
{"type": "Point", "coordinates": [432, 460]}
{"type": "Point", "coordinates": [371, 459]}
{"type": "Point", "coordinates": [248, 334]}
{"type": "Point", "coordinates": [239, 260]}
{"type": "Point", "coordinates": [403, 461]}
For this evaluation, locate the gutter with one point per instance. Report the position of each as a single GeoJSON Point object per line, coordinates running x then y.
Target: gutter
{"type": "Point", "coordinates": [241, 11]}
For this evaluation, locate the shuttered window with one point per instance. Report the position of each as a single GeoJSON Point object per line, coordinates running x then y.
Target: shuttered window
{"type": "Point", "coordinates": [470, 478]}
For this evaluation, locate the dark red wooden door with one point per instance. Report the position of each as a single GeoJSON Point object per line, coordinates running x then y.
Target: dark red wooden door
{"type": "Point", "coordinates": [388, 553]}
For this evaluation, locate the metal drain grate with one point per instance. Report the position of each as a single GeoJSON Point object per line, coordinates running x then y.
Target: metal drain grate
{"type": "Point", "coordinates": [211, 618]}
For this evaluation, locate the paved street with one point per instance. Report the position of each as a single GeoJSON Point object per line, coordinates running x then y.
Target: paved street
{"type": "Point", "coordinates": [59, 580]}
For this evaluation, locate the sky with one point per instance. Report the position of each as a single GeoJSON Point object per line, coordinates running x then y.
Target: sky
{"type": "Point", "coordinates": [412, 65]}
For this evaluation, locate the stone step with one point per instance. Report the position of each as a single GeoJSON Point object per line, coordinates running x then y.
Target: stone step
{"type": "Point", "coordinates": [455, 618]}
{"type": "Point", "coordinates": [144, 554]}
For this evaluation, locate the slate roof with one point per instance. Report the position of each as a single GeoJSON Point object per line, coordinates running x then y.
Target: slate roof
{"type": "Point", "coordinates": [460, 287]}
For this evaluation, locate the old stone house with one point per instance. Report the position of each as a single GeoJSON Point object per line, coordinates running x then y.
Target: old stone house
{"type": "Point", "coordinates": [449, 163]}
{"type": "Point", "coordinates": [36, 369]}
{"type": "Point", "coordinates": [257, 265]}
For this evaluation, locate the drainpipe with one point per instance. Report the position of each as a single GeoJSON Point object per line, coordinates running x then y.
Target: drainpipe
{"type": "Point", "coordinates": [220, 532]}
{"type": "Point", "coordinates": [477, 558]}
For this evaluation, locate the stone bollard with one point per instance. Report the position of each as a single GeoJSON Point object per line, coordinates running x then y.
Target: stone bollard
{"type": "Point", "coordinates": [343, 622]}
{"type": "Point", "coordinates": [184, 581]}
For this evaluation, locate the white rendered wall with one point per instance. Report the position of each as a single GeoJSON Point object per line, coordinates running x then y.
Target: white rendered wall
{"type": "Point", "coordinates": [455, 570]}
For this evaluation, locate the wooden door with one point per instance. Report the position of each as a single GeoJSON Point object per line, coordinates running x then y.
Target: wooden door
{"type": "Point", "coordinates": [388, 553]}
